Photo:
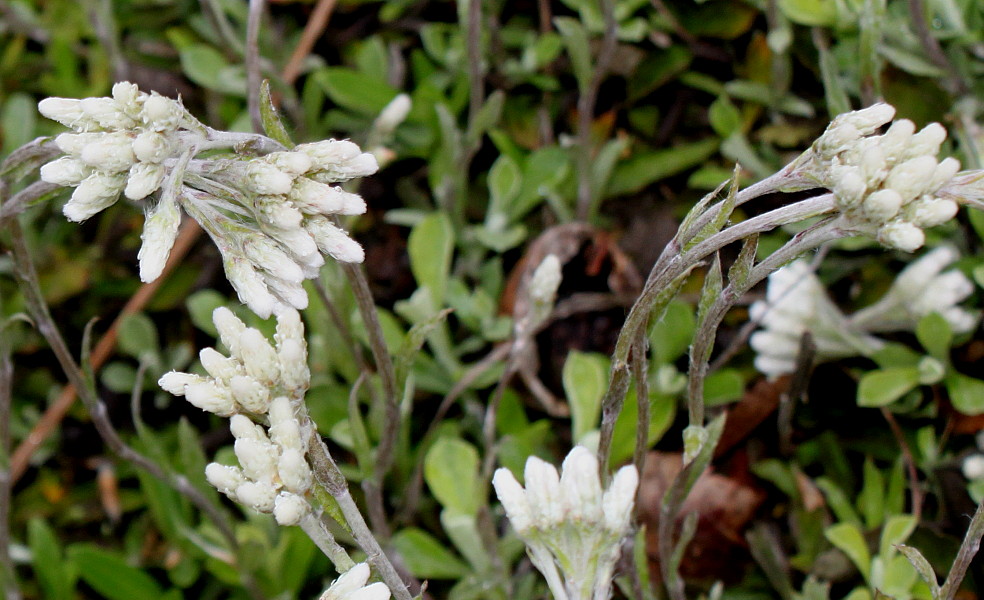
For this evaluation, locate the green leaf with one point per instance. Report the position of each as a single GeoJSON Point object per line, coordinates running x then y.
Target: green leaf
{"type": "Point", "coordinates": [966, 393]}
{"type": "Point", "coordinates": [18, 118]}
{"type": "Point", "coordinates": [838, 501]}
{"type": "Point", "coordinates": [464, 534]}
{"type": "Point", "coordinates": [871, 500]}
{"type": "Point", "coordinates": [662, 410]}
{"type": "Point", "coordinates": [585, 379]}
{"type": "Point", "coordinates": [55, 576]}
{"type": "Point", "coordinates": [138, 336]}
{"type": "Point", "coordinates": [504, 184]}
{"type": "Point", "coordinates": [200, 306]}
{"type": "Point", "coordinates": [820, 13]}
{"type": "Point", "coordinates": [847, 538]}
{"type": "Point", "coordinates": [897, 529]}
{"type": "Point", "coordinates": [721, 387]}
{"type": "Point", "coordinates": [207, 67]}
{"type": "Point", "coordinates": [358, 92]}
{"type": "Point", "coordinates": [576, 41]}
{"type": "Point", "coordinates": [486, 117]}
{"type": "Point", "coordinates": [451, 471]}
{"type": "Point", "coordinates": [273, 126]}
{"type": "Point", "coordinates": [884, 386]}
{"type": "Point", "coordinates": [724, 117]}
{"type": "Point", "coordinates": [430, 247]}
{"type": "Point", "coordinates": [427, 558]}
{"type": "Point", "coordinates": [670, 337]}
{"type": "Point", "coordinates": [111, 576]}
{"type": "Point", "coordinates": [644, 168]}
{"type": "Point", "coordinates": [935, 335]}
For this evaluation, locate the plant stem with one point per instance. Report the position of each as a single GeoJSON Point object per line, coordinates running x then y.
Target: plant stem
{"type": "Point", "coordinates": [674, 262]}
{"type": "Point", "coordinates": [31, 289]}
{"type": "Point", "coordinates": [8, 577]}
{"type": "Point", "coordinates": [316, 530]}
{"type": "Point", "coordinates": [333, 481]}
{"type": "Point", "coordinates": [968, 549]}
{"type": "Point", "coordinates": [252, 59]}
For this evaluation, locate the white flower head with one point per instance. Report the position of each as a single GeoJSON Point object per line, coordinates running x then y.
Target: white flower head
{"type": "Point", "coordinates": [921, 288]}
{"type": "Point", "coordinates": [890, 186]}
{"type": "Point", "coordinates": [796, 302]}
{"type": "Point", "coordinates": [267, 214]}
{"type": "Point", "coordinates": [351, 585]}
{"type": "Point", "coordinates": [572, 527]}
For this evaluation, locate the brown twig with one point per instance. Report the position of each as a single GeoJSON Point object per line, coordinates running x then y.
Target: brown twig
{"type": "Point", "coordinates": [315, 27]}
{"type": "Point", "coordinates": [910, 463]}
{"type": "Point", "coordinates": [56, 412]}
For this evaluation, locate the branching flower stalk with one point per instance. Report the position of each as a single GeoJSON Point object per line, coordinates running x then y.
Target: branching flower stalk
{"type": "Point", "coordinates": [268, 209]}
{"type": "Point", "coordinates": [261, 388]}
{"type": "Point", "coordinates": [888, 187]}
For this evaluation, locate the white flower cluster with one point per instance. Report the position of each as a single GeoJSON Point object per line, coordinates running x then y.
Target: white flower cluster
{"type": "Point", "coordinates": [886, 185]}
{"type": "Point", "coordinates": [267, 383]}
{"type": "Point", "coordinates": [352, 586]}
{"type": "Point", "coordinates": [568, 521]}
{"type": "Point", "coordinates": [270, 216]}
{"type": "Point", "coordinates": [796, 302]}
{"type": "Point", "coordinates": [119, 146]}
{"type": "Point", "coordinates": [922, 288]}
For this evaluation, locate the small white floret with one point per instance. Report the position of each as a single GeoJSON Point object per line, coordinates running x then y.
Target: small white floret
{"type": "Point", "coordinates": [259, 357]}
{"type": "Point", "coordinates": [580, 486]}
{"type": "Point", "coordinates": [333, 241]}
{"type": "Point", "coordinates": [295, 473]}
{"type": "Point", "coordinates": [67, 111]}
{"type": "Point", "coordinates": [896, 140]}
{"type": "Point", "coordinates": [94, 194]}
{"type": "Point", "coordinates": [882, 205]}
{"type": "Point", "coordinates": [66, 170]}
{"type": "Point", "coordinates": [175, 382]}
{"type": "Point", "coordinates": [250, 287]}
{"type": "Point", "coordinates": [151, 146]}
{"type": "Point", "coordinates": [289, 509]}
{"type": "Point", "coordinates": [912, 177]}
{"type": "Point", "coordinates": [106, 113]}
{"type": "Point", "coordinates": [293, 163]}
{"type": "Point", "coordinates": [258, 459]}
{"type": "Point", "coordinates": [159, 233]}
{"type": "Point", "coordinates": [257, 495]}
{"type": "Point", "coordinates": [902, 235]}
{"type": "Point", "coordinates": [350, 581]}
{"type": "Point", "coordinates": [218, 366]}
{"type": "Point", "coordinates": [74, 143]}
{"type": "Point", "coordinates": [266, 179]}
{"type": "Point", "coordinates": [619, 500]}
{"type": "Point", "coordinates": [224, 478]}
{"type": "Point", "coordinates": [229, 328]}
{"type": "Point", "coordinates": [112, 153]}
{"type": "Point", "coordinates": [250, 393]}
{"type": "Point", "coordinates": [210, 397]}
{"type": "Point", "coordinates": [513, 499]}
{"type": "Point", "coordinates": [144, 180]}
{"type": "Point", "coordinates": [927, 141]}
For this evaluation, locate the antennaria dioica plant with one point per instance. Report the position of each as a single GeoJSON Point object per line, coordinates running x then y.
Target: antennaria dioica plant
{"type": "Point", "coordinates": [274, 210]}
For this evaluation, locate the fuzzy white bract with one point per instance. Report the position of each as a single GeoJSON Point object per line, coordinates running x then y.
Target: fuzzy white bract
{"type": "Point", "coordinates": [922, 288]}
{"type": "Point", "coordinates": [573, 529]}
{"type": "Point", "coordinates": [351, 585]}
{"type": "Point", "coordinates": [796, 303]}
{"type": "Point", "coordinates": [270, 216]}
{"type": "Point", "coordinates": [261, 387]}
{"type": "Point", "coordinates": [886, 186]}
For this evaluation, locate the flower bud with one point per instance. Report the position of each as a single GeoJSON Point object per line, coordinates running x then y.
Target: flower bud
{"type": "Point", "coordinates": [902, 235]}
{"type": "Point", "coordinates": [266, 179]}
{"type": "Point", "coordinates": [912, 177]}
{"type": "Point", "coordinates": [224, 478]}
{"type": "Point", "coordinates": [848, 185]}
{"type": "Point", "coordinates": [360, 166]}
{"type": "Point", "coordinates": [74, 143]}
{"type": "Point", "coordinates": [259, 357]}
{"type": "Point", "coordinates": [943, 173]}
{"type": "Point", "coordinates": [250, 393]}
{"type": "Point", "coordinates": [292, 293]}
{"type": "Point", "coordinates": [174, 382]}
{"type": "Point", "coordinates": [930, 212]}
{"type": "Point", "coordinates": [294, 373]}
{"type": "Point", "coordinates": [258, 458]}
{"type": "Point", "coordinates": [882, 205]}
{"type": "Point", "coordinates": [267, 255]}
{"type": "Point", "coordinates": [580, 486]}
{"type": "Point", "coordinates": [112, 152]}
{"type": "Point", "coordinates": [144, 180]}
{"type": "Point", "coordinates": [393, 114]}
{"type": "Point", "coordinates": [315, 198]}
{"type": "Point", "coordinates": [209, 397]}
{"type": "Point", "coordinates": [161, 113]}
{"type": "Point", "coordinates": [95, 193]}
{"type": "Point", "coordinates": [218, 366]}
{"type": "Point", "coordinates": [127, 97]}
{"type": "Point", "coordinates": [349, 582]}
{"type": "Point", "coordinates": [277, 212]}
{"type": "Point", "coordinates": [250, 288]}
{"type": "Point", "coordinates": [838, 137]}
{"type": "Point", "coordinates": [543, 493]}
{"type": "Point", "coordinates": [513, 499]}
{"type": "Point", "coordinates": [159, 232]}
{"type": "Point", "coordinates": [927, 141]}
{"type": "Point", "coordinates": [65, 171]}
{"type": "Point", "coordinates": [868, 120]}
{"type": "Point", "coordinates": [152, 147]}
{"type": "Point", "coordinates": [293, 163]}
{"type": "Point", "coordinates": [290, 508]}
{"type": "Point", "coordinates": [242, 427]}
{"type": "Point", "coordinates": [896, 140]}
{"type": "Point", "coordinates": [295, 473]}
{"type": "Point", "coordinates": [67, 111]}
{"type": "Point", "coordinates": [619, 499]}
{"type": "Point", "coordinates": [259, 496]}
{"type": "Point", "coordinates": [328, 152]}
{"type": "Point", "coordinates": [106, 113]}
{"type": "Point", "coordinates": [229, 328]}
{"type": "Point", "coordinates": [333, 241]}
